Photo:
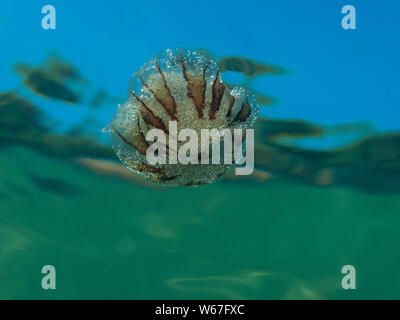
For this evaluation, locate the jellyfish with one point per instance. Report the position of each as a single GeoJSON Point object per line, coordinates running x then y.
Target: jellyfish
{"type": "Point", "coordinates": [186, 88]}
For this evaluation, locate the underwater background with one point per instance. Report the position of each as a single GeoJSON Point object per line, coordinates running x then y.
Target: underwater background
{"type": "Point", "coordinates": [325, 192]}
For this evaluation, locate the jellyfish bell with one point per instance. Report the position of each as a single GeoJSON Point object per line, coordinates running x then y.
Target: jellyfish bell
{"type": "Point", "coordinates": [175, 91]}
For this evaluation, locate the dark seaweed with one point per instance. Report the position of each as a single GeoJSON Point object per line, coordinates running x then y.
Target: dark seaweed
{"type": "Point", "coordinates": [55, 185]}
{"type": "Point", "coordinates": [248, 67]}
{"type": "Point", "coordinates": [42, 83]}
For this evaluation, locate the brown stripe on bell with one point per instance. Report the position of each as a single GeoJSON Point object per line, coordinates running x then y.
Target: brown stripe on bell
{"type": "Point", "coordinates": [133, 137]}
{"type": "Point", "coordinates": [218, 89]}
{"type": "Point", "coordinates": [149, 116]}
{"type": "Point", "coordinates": [231, 103]}
{"type": "Point", "coordinates": [162, 93]}
{"type": "Point", "coordinates": [196, 86]}
{"type": "Point", "coordinates": [244, 112]}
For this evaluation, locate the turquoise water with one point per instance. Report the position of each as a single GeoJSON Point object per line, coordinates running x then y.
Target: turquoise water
{"type": "Point", "coordinates": [314, 204]}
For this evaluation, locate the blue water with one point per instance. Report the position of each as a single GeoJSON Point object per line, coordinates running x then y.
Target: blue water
{"type": "Point", "coordinates": [336, 75]}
